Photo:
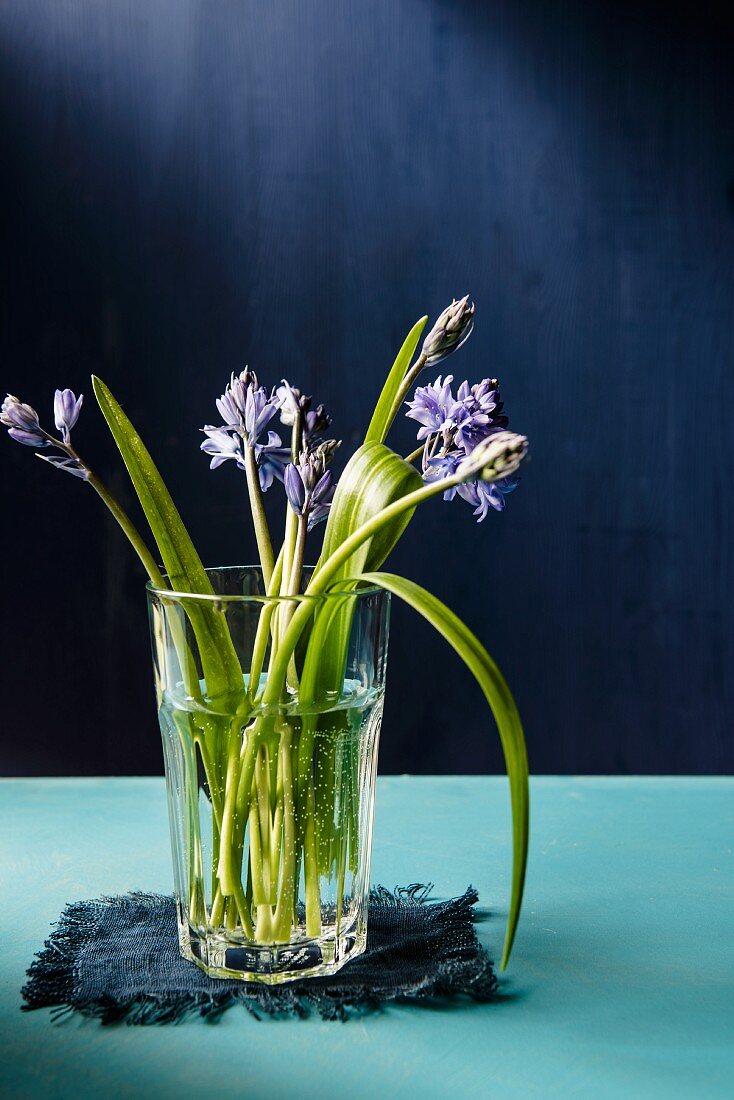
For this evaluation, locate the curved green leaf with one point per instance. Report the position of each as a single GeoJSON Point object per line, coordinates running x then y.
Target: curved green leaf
{"type": "Point", "coordinates": [374, 477]}
{"type": "Point", "coordinates": [182, 563]}
{"type": "Point", "coordinates": [498, 695]}
{"type": "Point", "coordinates": [381, 418]}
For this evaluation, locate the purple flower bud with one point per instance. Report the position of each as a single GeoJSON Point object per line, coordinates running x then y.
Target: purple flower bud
{"type": "Point", "coordinates": [290, 401]}
{"type": "Point", "coordinates": [316, 421]}
{"type": "Point", "coordinates": [450, 331]}
{"type": "Point", "coordinates": [309, 486]}
{"type": "Point", "coordinates": [498, 456]}
{"type": "Point", "coordinates": [295, 490]}
{"type": "Point", "coordinates": [317, 514]}
{"type": "Point", "coordinates": [66, 411]}
{"type": "Point", "coordinates": [22, 423]}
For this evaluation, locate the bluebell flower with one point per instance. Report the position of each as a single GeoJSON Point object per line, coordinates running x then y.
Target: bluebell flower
{"type": "Point", "coordinates": [231, 405]}
{"type": "Point", "coordinates": [272, 458]}
{"type": "Point", "coordinates": [316, 421]}
{"type": "Point", "coordinates": [483, 495]}
{"type": "Point", "coordinates": [259, 411]}
{"type": "Point", "coordinates": [291, 402]}
{"type": "Point", "coordinates": [23, 426]}
{"type": "Point", "coordinates": [485, 396]}
{"type": "Point", "coordinates": [432, 406]}
{"type": "Point", "coordinates": [453, 429]}
{"type": "Point", "coordinates": [22, 423]}
{"type": "Point", "coordinates": [221, 444]}
{"type": "Point", "coordinates": [66, 411]}
{"type": "Point", "coordinates": [246, 409]}
{"type": "Point", "coordinates": [442, 466]}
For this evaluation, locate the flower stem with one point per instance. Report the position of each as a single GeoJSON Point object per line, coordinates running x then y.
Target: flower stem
{"type": "Point", "coordinates": [129, 528]}
{"type": "Point", "coordinates": [262, 634]}
{"type": "Point", "coordinates": [262, 531]}
{"type": "Point", "coordinates": [294, 581]}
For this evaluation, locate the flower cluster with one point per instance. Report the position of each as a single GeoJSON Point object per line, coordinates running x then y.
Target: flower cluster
{"type": "Point", "coordinates": [451, 427]}
{"type": "Point", "coordinates": [295, 407]}
{"type": "Point", "coordinates": [246, 409]}
{"type": "Point", "coordinates": [23, 424]}
{"type": "Point", "coordinates": [309, 486]}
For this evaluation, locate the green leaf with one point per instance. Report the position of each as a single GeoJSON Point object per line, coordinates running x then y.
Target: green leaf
{"type": "Point", "coordinates": [381, 419]}
{"type": "Point", "coordinates": [499, 697]}
{"type": "Point", "coordinates": [182, 563]}
{"type": "Point", "coordinates": [373, 478]}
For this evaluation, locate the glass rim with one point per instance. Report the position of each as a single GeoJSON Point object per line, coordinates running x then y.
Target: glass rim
{"type": "Point", "coordinates": [175, 595]}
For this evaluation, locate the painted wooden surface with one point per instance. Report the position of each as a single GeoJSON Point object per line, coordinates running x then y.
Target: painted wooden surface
{"type": "Point", "coordinates": [189, 186]}
{"type": "Point", "coordinates": [621, 984]}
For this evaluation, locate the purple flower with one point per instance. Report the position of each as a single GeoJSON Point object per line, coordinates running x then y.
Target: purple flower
{"type": "Point", "coordinates": [309, 486]}
{"type": "Point", "coordinates": [66, 411]}
{"type": "Point", "coordinates": [272, 459]}
{"type": "Point", "coordinates": [291, 402]}
{"type": "Point", "coordinates": [457, 431]}
{"type": "Point", "coordinates": [22, 423]}
{"type": "Point", "coordinates": [246, 410]}
{"type": "Point", "coordinates": [259, 411]}
{"type": "Point", "coordinates": [431, 406]}
{"type": "Point", "coordinates": [231, 405]}
{"type": "Point", "coordinates": [440, 467]}
{"type": "Point", "coordinates": [485, 396]}
{"type": "Point", "coordinates": [316, 421]}
{"type": "Point", "coordinates": [220, 445]}
{"type": "Point", "coordinates": [482, 495]}
{"type": "Point", "coordinates": [23, 426]}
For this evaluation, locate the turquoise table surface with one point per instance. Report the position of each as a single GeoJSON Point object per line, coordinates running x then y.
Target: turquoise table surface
{"type": "Point", "coordinates": [621, 984]}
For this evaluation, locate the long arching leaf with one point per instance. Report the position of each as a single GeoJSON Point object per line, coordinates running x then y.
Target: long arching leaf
{"type": "Point", "coordinates": [183, 565]}
{"type": "Point", "coordinates": [498, 695]}
{"type": "Point", "coordinates": [373, 478]}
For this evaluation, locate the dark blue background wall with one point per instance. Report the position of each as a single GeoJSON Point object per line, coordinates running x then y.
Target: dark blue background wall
{"type": "Point", "coordinates": [188, 186]}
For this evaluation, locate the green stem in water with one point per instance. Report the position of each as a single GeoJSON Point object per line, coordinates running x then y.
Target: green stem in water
{"type": "Point", "coordinates": [262, 635]}
{"type": "Point", "coordinates": [286, 894]}
{"type": "Point", "coordinates": [311, 869]}
{"type": "Point", "coordinates": [294, 581]}
{"type": "Point", "coordinates": [235, 803]}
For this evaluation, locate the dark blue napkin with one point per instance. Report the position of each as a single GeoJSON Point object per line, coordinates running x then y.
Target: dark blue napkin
{"type": "Point", "coordinates": [118, 959]}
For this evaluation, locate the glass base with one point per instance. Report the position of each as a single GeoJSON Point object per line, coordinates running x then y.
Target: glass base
{"type": "Point", "coordinates": [220, 956]}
